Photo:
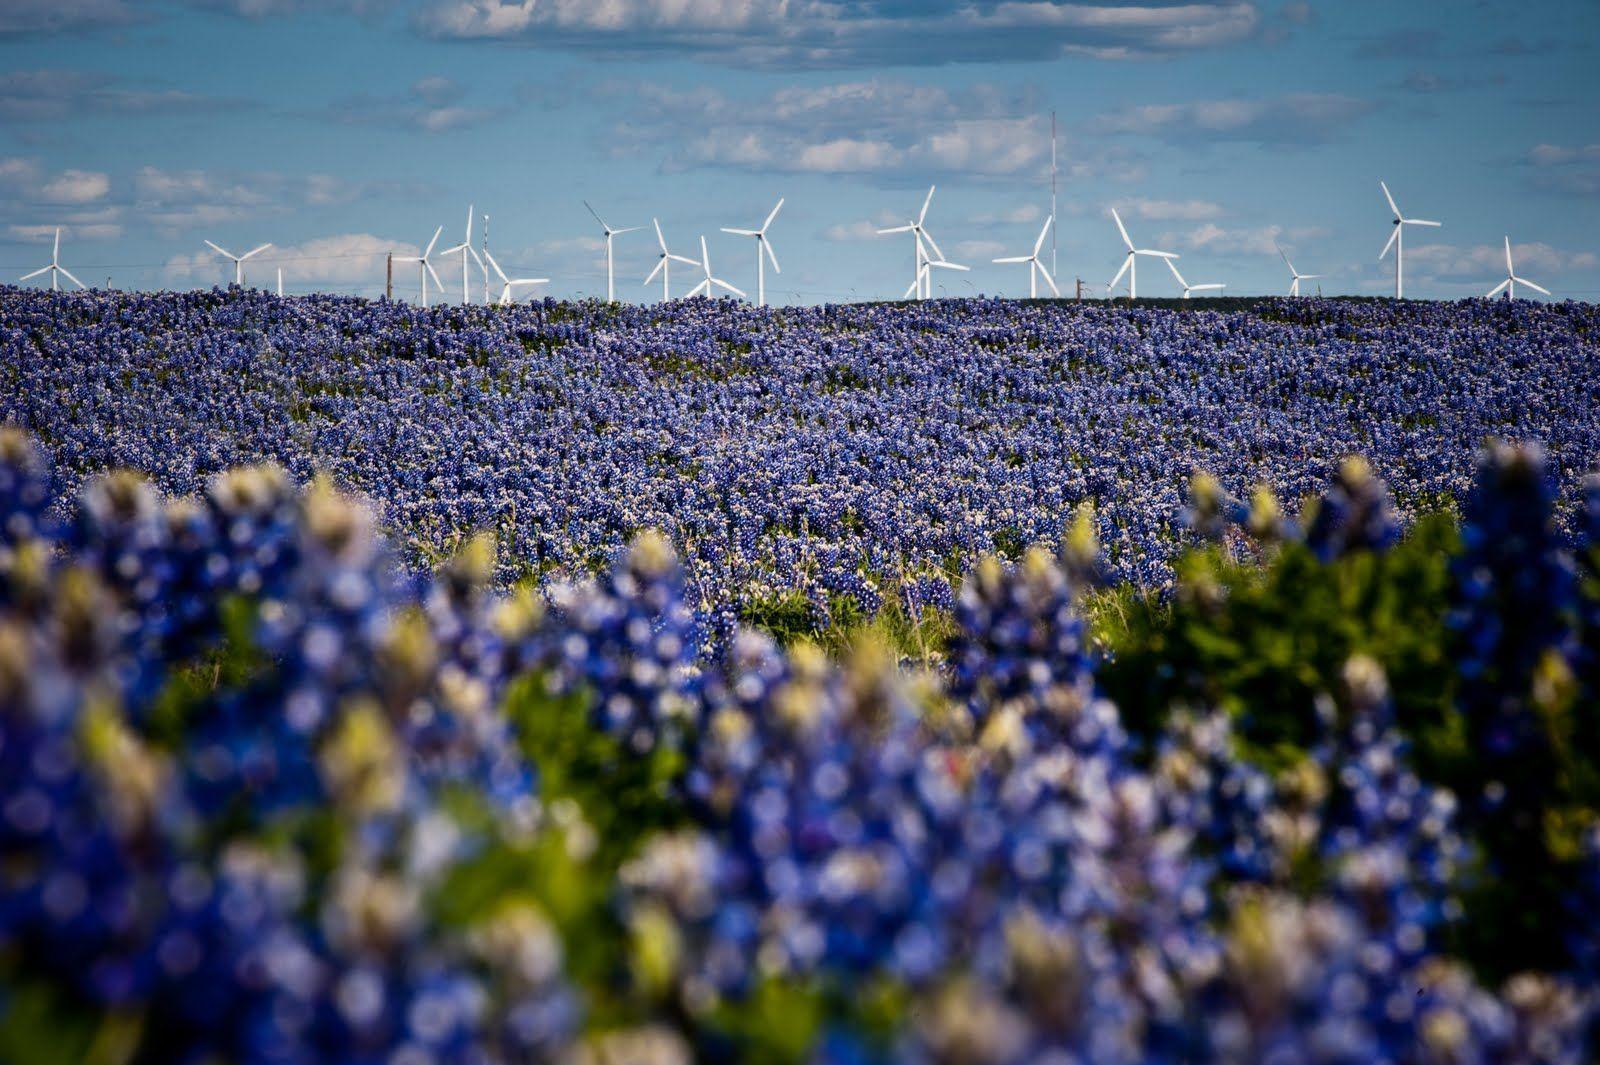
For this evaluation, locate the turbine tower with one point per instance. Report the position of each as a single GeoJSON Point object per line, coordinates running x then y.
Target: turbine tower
{"type": "Point", "coordinates": [611, 277]}
{"type": "Point", "coordinates": [918, 229]}
{"type": "Point", "coordinates": [1509, 284]}
{"type": "Point", "coordinates": [1188, 288]}
{"type": "Point", "coordinates": [1036, 268]}
{"type": "Point", "coordinates": [1130, 265]}
{"type": "Point", "coordinates": [238, 260]}
{"type": "Point", "coordinates": [55, 269]}
{"type": "Point", "coordinates": [763, 247]}
{"type": "Point", "coordinates": [467, 251]}
{"type": "Point", "coordinates": [509, 283]}
{"type": "Point", "coordinates": [1294, 286]}
{"type": "Point", "coordinates": [1397, 241]}
{"type": "Point", "coordinates": [705, 287]}
{"type": "Point", "coordinates": [664, 263]}
{"type": "Point", "coordinates": [425, 267]}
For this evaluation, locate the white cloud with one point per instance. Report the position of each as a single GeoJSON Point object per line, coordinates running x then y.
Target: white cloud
{"type": "Point", "coordinates": [793, 34]}
{"type": "Point", "coordinates": [1170, 210]}
{"type": "Point", "coordinates": [352, 258]}
{"type": "Point", "coordinates": [77, 186]}
{"type": "Point", "coordinates": [1297, 118]}
{"type": "Point", "coordinates": [1214, 238]}
{"type": "Point", "coordinates": [1488, 261]}
{"type": "Point", "coordinates": [1569, 169]}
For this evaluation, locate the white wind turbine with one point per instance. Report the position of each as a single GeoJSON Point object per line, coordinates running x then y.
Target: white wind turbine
{"type": "Point", "coordinates": [55, 269]}
{"type": "Point", "coordinates": [705, 287]}
{"type": "Point", "coordinates": [510, 283]}
{"type": "Point", "coordinates": [467, 250]}
{"type": "Point", "coordinates": [1188, 288]}
{"type": "Point", "coordinates": [238, 260]}
{"type": "Point", "coordinates": [1294, 286]}
{"type": "Point", "coordinates": [1397, 241]}
{"type": "Point", "coordinates": [1036, 267]}
{"type": "Point", "coordinates": [1130, 265]}
{"type": "Point", "coordinates": [425, 267]}
{"type": "Point", "coordinates": [918, 229]}
{"type": "Point", "coordinates": [763, 245]}
{"type": "Point", "coordinates": [924, 280]}
{"type": "Point", "coordinates": [611, 284]}
{"type": "Point", "coordinates": [664, 263]}
{"type": "Point", "coordinates": [1509, 285]}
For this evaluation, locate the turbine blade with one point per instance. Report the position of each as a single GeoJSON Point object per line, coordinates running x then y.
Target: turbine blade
{"type": "Point", "coordinates": [432, 242]}
{"type": "Point", "coordinates": [661, 264]}
{"type": "Point", "coordinates": [1501, 287]}
{"type": "Point", "coordinates": [705, 255]}
{"type": "Point", "coordinates": [36, 273]}
{"type": "Point", "coordinates": [925, 205]}
{"type": "Point", "coordinates": [254, 251]}
{"type": "Point", "coordinates": [496, 267]}
{"type": "Point", "coordinates": [1122, 229]}
{"type": "Point", "coordinates": [1392, 205]}
{"type": "Point", "coordinates": [772, 255]}
{"type": "Point", "coordinates": [660, 237]}
{"type": "Point", "coordinates": [1392, 238]}
{"type": "Point", "coordinates": [81, 285]}
{"type": "Point", "coordinates": [682, 259]}
{"type": "Point", "coordinates": [1042, 231]}
{"type": "Point", "coordinates": [55, 255]}
{"type": "Point", "coordinates": [913, 286]}
{"type": "Point", "coordinates": [1156, 254]}
{"type": "Point", "coordinates": [1039, 266]}
{"type": "Point", "coordinates": [1511, 271]}
{"type": "Point", "coordinates": [950, 266]}
{"type": "Point", "coordinates": [741, 232]}
{"type": "Point", "coordinates": [220, 251]}
{"type": "Point", "coordinates": [773, 215]}
{"type": "Point", "coordinates": [630, 229]}
{"type": "Point", "coordinates": [434, 274]}
{"type": "Point", "coordinates": [1174, 269]}
{"type": "Point", "coordinates": [596, 215]}
{"type": "Point", "coordinates": [1520, 281]}
{"type": "Point", "coordinates": [896, 229]}
{"type": "Point", "coordinates": [1015, 259]}
{"type": "Point", "coordinates": [1126, 262]}
{"type": "Point", "coordinates": [1421, 222]}
{"type": "Point", "coordinates": [730, 288]}
{"type": "Point", "coordinates": [933, 244]}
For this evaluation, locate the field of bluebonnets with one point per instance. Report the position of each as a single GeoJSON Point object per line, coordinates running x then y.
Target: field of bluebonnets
{"type": "Point", "coordinates": [971, 682]}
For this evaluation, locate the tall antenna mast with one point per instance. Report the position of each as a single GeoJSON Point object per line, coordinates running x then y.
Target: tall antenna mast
{"type": "Point", "coordinates": [1053, 214]}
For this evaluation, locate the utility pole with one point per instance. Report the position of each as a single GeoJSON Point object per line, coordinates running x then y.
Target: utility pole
{"type": "Point", "coordinates": [388, 281]}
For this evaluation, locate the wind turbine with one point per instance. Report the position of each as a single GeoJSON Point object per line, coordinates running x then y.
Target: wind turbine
{"type": "Point", "coordinates": [918, 229]}
{"type": "Point", "coordinates": [467, 250]}
{"type": "Point", "coordinates": [238, 260]}
{"type": "Point", "coordinates": [1130, 265]}
{"type": "Point", "coordinates": [1294, 287]}
{"type": "Point", "coordinates": [55, 269]}
{"type": "Point", "coordinates": [705, 286]}
{"type": "Point", "coordinates": [664, 263]}
{"type": "Point", "coordinates": [1036, 267]}
{"type": "Point", "coordinates": [1188, 288]}
{"type": "Point", "coordinates": [762, 246]}
{"type": "Point", "coordinates": [1397, 241]}
{"type": "Point", "coordinates": [1509, 284]}
{"type": "Point", "coordinates": [510, 283]}
{"type": "Point", "coordinates": [424, 267]}
{"type": "Point", "coordinates": [924, 281]}
{"type": "Point", "coordinates": [611, 285]}
{"type": "Point", "coordinates": [280, 282]}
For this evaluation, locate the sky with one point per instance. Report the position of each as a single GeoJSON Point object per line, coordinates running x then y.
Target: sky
{"type": "Point", "coordinates": [346, 129]}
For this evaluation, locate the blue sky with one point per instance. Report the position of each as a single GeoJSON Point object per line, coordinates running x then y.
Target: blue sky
{"type": "Point", "coordinates": [340, 130]}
